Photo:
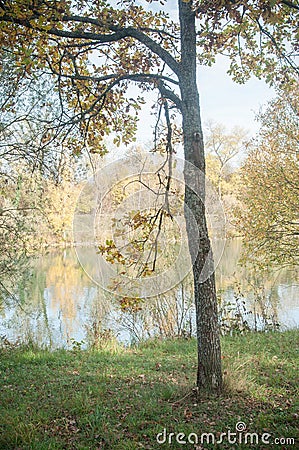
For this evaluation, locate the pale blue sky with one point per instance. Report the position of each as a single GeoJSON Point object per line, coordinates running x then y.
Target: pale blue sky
{"type": "Point", "coordinates": [230, 103]}
{"type": "Point", "coordinates": [222, 100]}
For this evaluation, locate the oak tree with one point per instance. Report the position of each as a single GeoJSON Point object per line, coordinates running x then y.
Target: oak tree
{"type": "Point", "coordinates": [95, 51]}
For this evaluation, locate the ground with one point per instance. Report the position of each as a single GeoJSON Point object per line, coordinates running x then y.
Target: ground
{"type": "Point", "coordinates": [121, 399]}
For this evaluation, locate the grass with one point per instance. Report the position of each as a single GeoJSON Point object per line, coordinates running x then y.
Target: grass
{"type": "Point", "coordinates": [120, 400]}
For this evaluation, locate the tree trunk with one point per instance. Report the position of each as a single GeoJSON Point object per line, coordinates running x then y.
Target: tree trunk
{"type": "Point", "coordinates": [209, 375]}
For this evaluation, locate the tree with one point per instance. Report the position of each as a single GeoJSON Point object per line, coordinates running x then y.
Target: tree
{"type": "Point", "coordinates": [269, 193]}
{"type": "Point", "coordinates": [95, 51]}
{"type": "Point", "coordinates": [14, 231]}
{"type": "Point", "coordinates": [223, 146]}
{"type": "Point", "coordinates": [33, 211]}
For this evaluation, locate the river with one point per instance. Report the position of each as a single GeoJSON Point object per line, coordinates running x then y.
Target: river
{"type": "Point", "coordinates": [56, 304]}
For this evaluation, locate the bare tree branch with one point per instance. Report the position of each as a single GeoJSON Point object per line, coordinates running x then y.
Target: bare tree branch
{"type": "Point", "coordinates": [290, 4]}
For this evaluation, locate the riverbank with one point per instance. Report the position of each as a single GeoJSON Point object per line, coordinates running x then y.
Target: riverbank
{"type": "Point", "coordinates": [122, 398]}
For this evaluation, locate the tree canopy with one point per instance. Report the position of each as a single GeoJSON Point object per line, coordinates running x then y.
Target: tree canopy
{"type": "Point", "coordinates": [95, 51]}
{"type": "Point", "coordinates": [269, 192]}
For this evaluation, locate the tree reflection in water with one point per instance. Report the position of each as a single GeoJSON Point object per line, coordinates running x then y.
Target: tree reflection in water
{"type": "Point", "coordinates": [56, 304]}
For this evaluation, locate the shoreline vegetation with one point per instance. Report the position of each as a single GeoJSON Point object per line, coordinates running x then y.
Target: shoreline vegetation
{"type": "Point", "coordinates": [120, 398]}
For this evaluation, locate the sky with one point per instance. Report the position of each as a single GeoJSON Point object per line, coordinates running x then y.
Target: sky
{"type": "Point", "coordinates": [222, 100]}
{"type": "Point", "coordinates": [228, 102]}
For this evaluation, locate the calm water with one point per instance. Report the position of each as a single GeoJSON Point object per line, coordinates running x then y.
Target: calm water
{"type": "Point", "coordinates": [56, 303]}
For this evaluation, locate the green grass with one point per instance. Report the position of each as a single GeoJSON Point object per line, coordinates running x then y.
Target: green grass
{"type": "Point", "coordinates": [120, 400]}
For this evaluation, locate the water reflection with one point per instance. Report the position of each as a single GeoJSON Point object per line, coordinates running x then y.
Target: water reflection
{"type": "Point", "coordinates": [269, 296]}
{"type": "Point", "coordinates": [56, 303]}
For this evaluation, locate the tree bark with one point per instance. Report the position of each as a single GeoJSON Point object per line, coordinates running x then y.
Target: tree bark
{"type": "Point", "coordinates": [209, 376]}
